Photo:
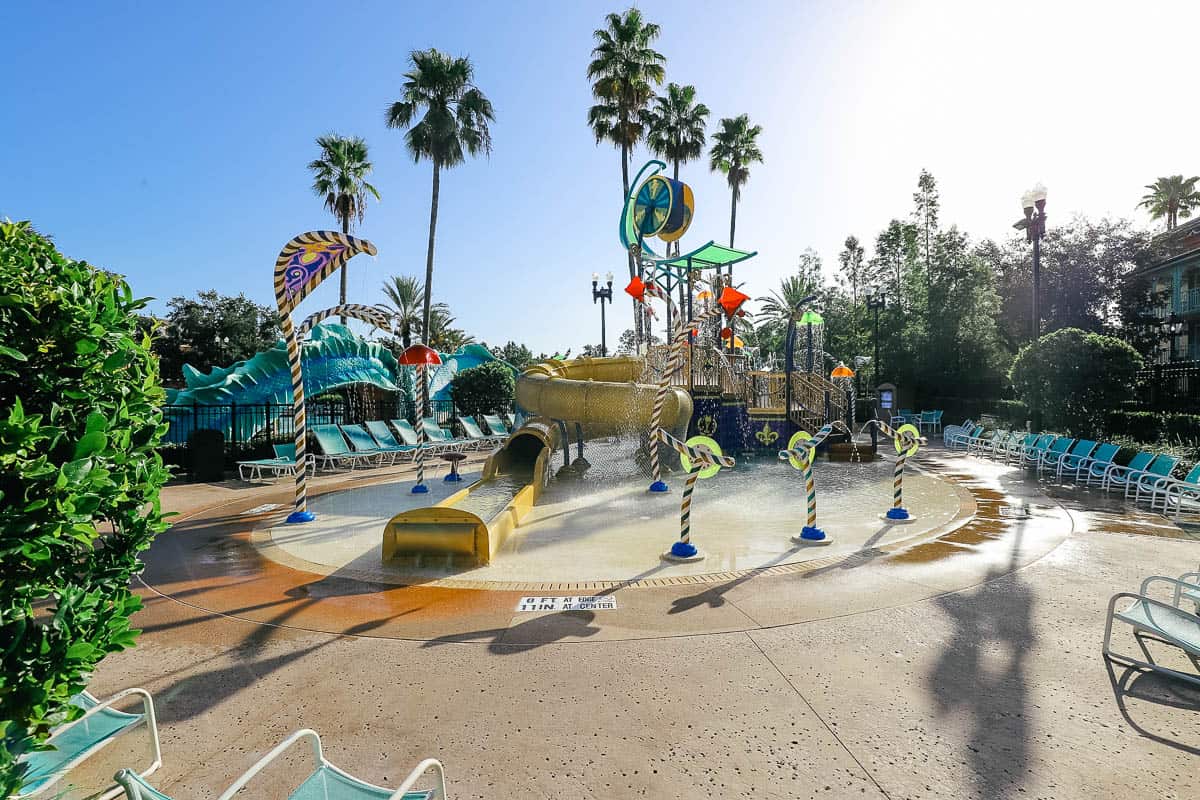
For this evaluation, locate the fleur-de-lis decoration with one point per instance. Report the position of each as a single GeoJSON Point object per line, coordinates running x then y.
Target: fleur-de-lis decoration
{"type": "Point", "coordinates": [766, 435]}
{"type": "Point", "coordinates": [706, 425]}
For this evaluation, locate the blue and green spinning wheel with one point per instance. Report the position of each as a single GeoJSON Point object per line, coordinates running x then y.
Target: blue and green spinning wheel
{"type": "Point", "coordinates": [653, 205]}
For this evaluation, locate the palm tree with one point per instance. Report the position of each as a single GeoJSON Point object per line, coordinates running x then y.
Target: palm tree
{"type": "Point", "coordinates": [340, 177]}
{"type": "Point", "coordinates": [735, 148]}
{"type": "Point", "coordinates": [675, 127]}
{"type": "Point", "coordinates": [453, 126]}
{"type": "Point", "coordinates": [777, 307]}
{"type": "Point", "coordinates": [1171, 197]}
{"type": "Point", "coordinates": [623, 68]}
{"type": "Point", "coordinates": [443, 336]}
{"type": "Point", "coordinates": [404, 293]}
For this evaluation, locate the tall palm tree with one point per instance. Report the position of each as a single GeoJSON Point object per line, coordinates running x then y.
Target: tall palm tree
{"type": "Point", "coordinates": [404, 293]}
{"type": "Point", "coordinates": [1171, 197]}
{"type": "Point", "coordinates": [623, 71]}
{"type": "Point", "coordinates": [340, 178]}
{"type": "Point", "coordinates": [675, 127]}
{"type": "Point", "coordinates": [454, 125]}
{"type": "Point", "coordinates": [443, 336]}
{"type": "Point", "coordinates": [735, 148]}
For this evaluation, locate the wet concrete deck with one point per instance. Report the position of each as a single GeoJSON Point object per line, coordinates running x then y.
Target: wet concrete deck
{"type": "Point", "coordinates": [961, 664]}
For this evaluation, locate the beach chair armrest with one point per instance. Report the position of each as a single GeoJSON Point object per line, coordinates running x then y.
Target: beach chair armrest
{"type": "Point", "coordinates": [261, 764]}
{"type": "Point", "coordinates": [1178, 584]}
{"type": "Point", "coordinates": [415, 775]}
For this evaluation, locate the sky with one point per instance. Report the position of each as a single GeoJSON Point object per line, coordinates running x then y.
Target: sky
{"type": "Point", "coordinates": [169, 142]}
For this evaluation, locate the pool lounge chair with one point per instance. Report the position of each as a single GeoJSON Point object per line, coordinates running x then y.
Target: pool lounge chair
{"type": "Point", "coordinates": [498, 427]}
{"type": "Point", "coordinates": [75, 742]}
{"type": "Point", "coordinates": [325, 782]}
{"type": "Point", "coordinates": [383, 434]}
{"type": "Point", "coordinates": [958, 439]}
{"type": "Point", "coordinates": [1076, 466]}
{"type": "Point", "coordinates": [931, 421]}
{"type": "Point", "coordinates": [363, 442]}
{"type": "Point", "coordinates": [1140, 484]}
{"type": "Point", "coordinates": [1166, 622]}
{"type": "Point", "coordinates": [1014, 441]}
{"type": "Point", "coordinates": [1117, 476]}
{"type": "Point", "coordinates": [284, 463]}
{"type": "Point", "coordinates": [1033, 456]}
{"type": "Point", "coordinates": [510, 422]}
{"type": "Point", "coordinates": [410, 437]}
{"type": "Point", "coordinates": [476, 434]}
{"type": "Point", "coordinates": [987, 443]}
{"type": "Point", "coordinates": [335, 451]}
{"type": "Point", "coordinates": [1166, 489]}
{"type": "Point", "coordinates": [1015, 450]}
{"type": "Point", "coordinates": [1080, 448]}
{"type": "Point", "coordinates": [436, 434]}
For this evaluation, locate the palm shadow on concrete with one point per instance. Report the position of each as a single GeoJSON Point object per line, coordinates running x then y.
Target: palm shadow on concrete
{"type": "Point", "coordinates": [1162, 690]}
{"type": "Point", "coordinates": [714, 596]}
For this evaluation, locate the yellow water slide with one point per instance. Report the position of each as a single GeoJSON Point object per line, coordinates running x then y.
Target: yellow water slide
{"type": "Point", "coordinates": [600, 395]}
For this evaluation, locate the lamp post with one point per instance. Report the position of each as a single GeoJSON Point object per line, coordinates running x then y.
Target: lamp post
{"type": "Point", "coordinates": [1033, 203]}
{"type": "Point", "coordinates": [1172, 327]}
{"type": "Point", "coordinates": [602, 295]}
{"type": "Point", "coordinates": [876, 300]}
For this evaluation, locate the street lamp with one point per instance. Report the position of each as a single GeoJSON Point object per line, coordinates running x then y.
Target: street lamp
{"type": "Point", "coordinates": [602, 295]}
{"type": "Point", "coordinates": [1033, 203]}
{"type": "Point", "coordinates": [1172, 326]}
{"type": "Point", "coordinates": [876, 300]}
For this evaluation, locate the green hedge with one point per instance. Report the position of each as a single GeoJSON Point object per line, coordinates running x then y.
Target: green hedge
{"type": "Point", "coordinates": [1153, 426]}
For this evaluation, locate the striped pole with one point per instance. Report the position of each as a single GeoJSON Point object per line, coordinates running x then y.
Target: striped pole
{"type": "Point", "coordinates": [898, 486]}
{"type": "Point", "coordinates": [674, 360]}
{"type": "Point", "coordinates": [802, 453]}
{"type": "Point", "coordinates": [420, 487]}
{"type": "Point", "coordinates": [303, 263]}
{"type": "Point", "coordinates": [369, 314]}
{"type": "Point", "coordinates": [905, 443]}
{"type": "Point", "coordinates": [700, 457]}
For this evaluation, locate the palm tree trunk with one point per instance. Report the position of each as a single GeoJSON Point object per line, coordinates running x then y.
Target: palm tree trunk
{"type": "Point", "coordinates": [637, 311]}
{"type": "Point", "coordinates": [732, 214]}
{"type": "Point", "coordinates": [433, 209]}
{"type": "Point", "coordinates": [342, 294]}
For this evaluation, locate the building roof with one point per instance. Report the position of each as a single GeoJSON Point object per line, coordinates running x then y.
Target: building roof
{"type": "Point", "coordinates": [1170, 248]}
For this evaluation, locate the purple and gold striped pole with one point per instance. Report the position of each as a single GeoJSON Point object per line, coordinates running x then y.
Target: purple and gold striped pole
{"type": "Point", "coordinates": [369, 314]}
{"type": "Point", "coordinates": [420, 487]}
{"type": "Point", "coordinates": [801, 451]}
{"type": "Point", "coordinates": [302, 264]}
{"type": "Point", "coordinates": [906, 445]}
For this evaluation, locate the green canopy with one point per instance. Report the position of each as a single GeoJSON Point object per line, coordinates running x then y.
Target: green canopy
{"type": "Point", "coordinates": [710, 255]}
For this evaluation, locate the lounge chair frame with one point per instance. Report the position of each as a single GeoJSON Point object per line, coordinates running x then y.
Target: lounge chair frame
{"type": "Point", "coordinates": [1191, 647]}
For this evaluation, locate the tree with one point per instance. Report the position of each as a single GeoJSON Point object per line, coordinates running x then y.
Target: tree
{"type": "Point", "coordinates": [855, 272]}
{"type": "Point", "coordinates": [735, 148]}
{"type": "Point", "coordinates": [443, 336]}
{"type": "Point", "coordinates": [340, 178]}
{"type": "Point", "coordinates": [627, 345]}
{"type": "Point", "coordinates": [895, 252]}
{"type": "Point", "coordinates": [1074, 378]}
{"type": "Point", "coordinates": [454, 125]}
{"type": "Point", "coordinates": [592, 351]}
{"type": "Point", "coordinates": [404, 293]}
{"type": "Point", "coordinates": [675, 125]}
{"type": "Point", "coordinates": [624, 69]}
{"type": "Point", "coordinates": [518, 355]}
{"type": "Point", "coordinates": [928, 204]}
{"type": "Point", "coordinates": [1171, 197]}
{"type": "Point", "coordinates": [771, 320]}
{"type": "Point", "coordinates": [485, 389]}
{"type": "Point", "coordinates": [195, 331]}
{"type": "Point", "coordinates": [80, 478]}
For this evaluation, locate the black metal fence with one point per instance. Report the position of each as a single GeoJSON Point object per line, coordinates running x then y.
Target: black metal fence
{"type": "Point", "coordinates": [1173, 386]}
{"type": "Point", "coordinates": [250, 429]}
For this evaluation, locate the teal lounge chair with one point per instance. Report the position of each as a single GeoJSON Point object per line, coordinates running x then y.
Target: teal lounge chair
{"type": "Point", "coordinates": [383, 434]}
{"type": "Point", "coordinates": [958, 440]}
{"type": "Point", "coordinates": [987, 443]}
{"type": "Point", "coordinates": [509, 422]}
{"type": "Point", "coordinates": [930, 421]}
{"type": "Point", "coordinates": [1166, 622]}
{"type": "Point", "coordinates": [498, 426]}
{"type": "Point", "coordinates": [1076, 466]}
{"type": "Point", "coordinates": [1052, 458]}
{"type": "Point", "coordinates": [410, 437]}
{"type": "Point", "coordinates": [74, 742]}
{"type": "Point", "coordinates": [284, 463]}
{"type": "Point", "coordinates": [335, 451]}
{"type": "Point", "coordinates": [325, 782]}
{"type": "Point", "coordinates": [476, 434]}
{"type": "Point", "coordinates": [1118, 475]}
{"type": "Point", "coordinates": [1033, 456]}
{"type": "Point", "coordinates": [1161, 467]}
{"type": "Point", "coordinates": [363, 442]}
{"type": "Point", "coordinates": [1016, 450]}
{"type": "Point", "coordinates": [1170, 489]}
{"type": "Point", "coordinates": [435, 434]}
{"type": "Point", "coordinates": [1002, 450]}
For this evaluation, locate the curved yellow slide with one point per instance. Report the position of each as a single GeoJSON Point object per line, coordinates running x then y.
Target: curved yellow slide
{"type": "Point", "coordinates": [600, 394]}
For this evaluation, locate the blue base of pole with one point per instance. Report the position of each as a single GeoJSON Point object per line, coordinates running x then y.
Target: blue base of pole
{"type": "Point", "coordinates": [661, 486]}
{"type": "Point", "coordinates": [897, 513]}
{"type": "Point", "coordinates": [452, 478]}
{"type": "Point", "coordinates": [300, 516]}
{"type": "Point", "coordinates": [420, 488]}
{"type": "Point", "coordinates": [810, 535]}
{"type": "Point", "coordinates": [683, 550]}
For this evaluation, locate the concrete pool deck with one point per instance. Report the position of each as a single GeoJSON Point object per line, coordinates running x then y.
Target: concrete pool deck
{"type": "Point", "coordinates": [961, 664]}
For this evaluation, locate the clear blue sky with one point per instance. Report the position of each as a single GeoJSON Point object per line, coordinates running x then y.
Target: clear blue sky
{"type": "Point", "coordinates": [169, 142]}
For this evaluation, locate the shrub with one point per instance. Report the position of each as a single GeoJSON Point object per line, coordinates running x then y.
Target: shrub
{"type": "Point", "coordinates": [485, 389]}
{"type": "Point", "coordinates": [80, 394]}
{"type": "Point", "coordinates": [1073, 378]}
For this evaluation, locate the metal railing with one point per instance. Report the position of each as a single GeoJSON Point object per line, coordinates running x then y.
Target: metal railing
{"type": "Point", "coordinates": [1174, 385]}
